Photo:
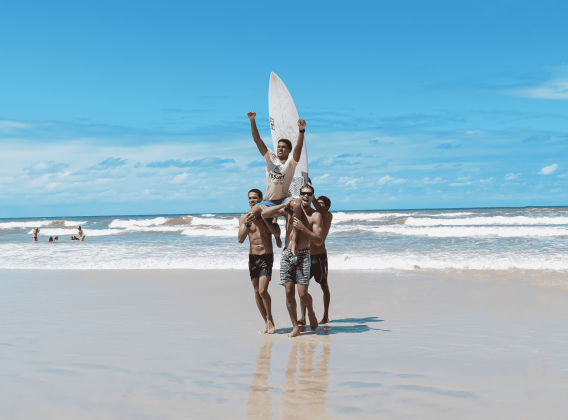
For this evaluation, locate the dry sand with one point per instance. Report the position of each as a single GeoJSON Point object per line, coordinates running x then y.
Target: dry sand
{"type": "Point", "coordinates": [174, 344]}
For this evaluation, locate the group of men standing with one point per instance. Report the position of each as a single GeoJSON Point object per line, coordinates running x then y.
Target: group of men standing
{"type": "Point", "coordinates": [304, 255]}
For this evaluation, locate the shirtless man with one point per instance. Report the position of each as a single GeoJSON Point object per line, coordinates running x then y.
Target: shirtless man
{"type": "Point", "coordinates": [261, 257]}
{"type": "Point", "coordinates": [280, 167]}
{"type": "Point", "coordinates": [295, 269]}
{"type": "Point", "coordinates": [318, 256]}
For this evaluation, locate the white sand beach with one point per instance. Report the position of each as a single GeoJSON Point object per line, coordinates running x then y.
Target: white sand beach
{"type": "Point", "coordinates": [173, 344]}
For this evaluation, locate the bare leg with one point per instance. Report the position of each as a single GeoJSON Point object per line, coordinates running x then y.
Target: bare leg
{"type": "Point", "coordinates": [257, 212]}
{"type": "Point", "coordinates": [302, 320]}
{"type": "Point", "coordinates": [267, 301]}
{"type": "Point", "coordinates": [291, 305]}
{"type": "Point", "coordinates": [260, 304]}
{"type": "Point", "coordinates": [326, 299]}
{"type": "Point", "coordinates": [307, 298]}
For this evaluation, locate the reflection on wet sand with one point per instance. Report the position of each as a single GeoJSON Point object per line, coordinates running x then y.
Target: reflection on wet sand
{"type": "Point", "coordinates": [305, 392]}
{"type": "Point", "coordinates": [259, 404]}
{"type": "Point", "coordinates": [306, 382]}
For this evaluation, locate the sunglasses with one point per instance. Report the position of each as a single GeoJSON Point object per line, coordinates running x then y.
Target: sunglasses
{"type": "Point", "coordinates": [309, 194]}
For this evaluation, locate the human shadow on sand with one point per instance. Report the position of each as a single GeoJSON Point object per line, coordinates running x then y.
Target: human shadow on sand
{"type": "Point", "coordinates": [327, 329]}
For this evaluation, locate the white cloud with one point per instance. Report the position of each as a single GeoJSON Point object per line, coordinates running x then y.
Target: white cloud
{"type": "Point", "coordinates": [320, 178]}
{"type": "Point", "coordinates": [511, 175]}
{"type": "Point", "coordinates": [464, 178]}
{"type": "Point", "coordinates": [436, 180]}
{"type": "Point", "coordinates": [548, 170]}
{"type": "Point", "coordinates": [390, 180]}
{"type": "Point", "coordinates": [460, 184]}
{"type": "Point", "coordinates": [347, 181]}
{"type": "Point", "coordinates": [6, 125]}
{"type": "Point", "coordinates": [562, 176]}
{"type": "Point", "coordinates": [181, 178]}
{"type": "Point", "coordinates": [553, 89]}
{"type": "Point", "coordinates": [554, 190]}
{"type": "Point", "coordinates": [484, 181]}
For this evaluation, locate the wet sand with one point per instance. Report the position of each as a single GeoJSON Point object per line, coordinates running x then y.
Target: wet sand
{"type": "Point", "coordinates": [173, 344]}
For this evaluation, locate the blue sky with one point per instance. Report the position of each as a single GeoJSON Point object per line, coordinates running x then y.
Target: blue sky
{"type": "Point", "coordinates": [110, 108]}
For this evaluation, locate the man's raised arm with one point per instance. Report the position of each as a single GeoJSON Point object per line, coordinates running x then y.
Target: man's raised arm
{"type": "Point", "coordinates": [255, 135]}
{"type": "Point", "coordinates": [300, 142]}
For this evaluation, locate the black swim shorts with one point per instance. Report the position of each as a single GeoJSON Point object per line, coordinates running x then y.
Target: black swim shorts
{"type": "Point", "coordinates": [318, 268]}
{"type": "Point", "coordinates": [260, 265]}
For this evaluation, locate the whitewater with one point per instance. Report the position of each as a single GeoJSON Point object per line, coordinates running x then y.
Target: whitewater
{"type": "Point", "coordinates": [464, 239]}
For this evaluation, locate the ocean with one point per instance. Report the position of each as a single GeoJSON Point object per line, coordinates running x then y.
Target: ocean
{"type": "Point", "coordinates": [459, 239]}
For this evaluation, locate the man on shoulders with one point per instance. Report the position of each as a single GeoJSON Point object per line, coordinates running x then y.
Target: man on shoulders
{"type": "Point", "coordinates": [318, 257]}
{"type": "Point", "coordinates": [295, 268]}
{"type": "Point", "coordinates": [280, 168]}
{"type": "Point", "coordinates": [261, 257]}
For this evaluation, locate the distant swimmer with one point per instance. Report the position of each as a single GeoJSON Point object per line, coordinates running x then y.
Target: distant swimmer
{"type": "Point", "coordinates": [81, 234]}
{"type": "Point", "coordinates": [51, 239]}
{"type": "Point", "coordinates": [318, 256]}
{"type": "Point", "coordinates": [295, 269]}
{"type": "Point", "coordinates": [34, 234]}
{"type": "Point", "coordinates": [56, 238]}
{"type": "Point", "coordinates": [261, 257]}
{"type": "Point", "coordinates": [280, 167]}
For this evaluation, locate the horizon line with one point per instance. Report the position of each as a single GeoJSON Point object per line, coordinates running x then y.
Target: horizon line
{"type": "Point", "coordinates": [332, 211]}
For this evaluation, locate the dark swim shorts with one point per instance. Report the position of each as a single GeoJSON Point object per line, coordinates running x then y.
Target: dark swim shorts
{"type": "Point", "coordinates": [260, 265]}
{"type": "Point", "coordinates": [318, 268]}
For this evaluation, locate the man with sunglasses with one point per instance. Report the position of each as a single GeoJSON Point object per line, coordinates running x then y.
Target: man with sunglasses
{"type": "Point", "coordinates": [295, 268]}
{"type": "Point", "coordinates": [280, 168]}
{"type": "Point", "coordinates": [261, 257]}
{"type": "Point", "coordinates": [318, 257]}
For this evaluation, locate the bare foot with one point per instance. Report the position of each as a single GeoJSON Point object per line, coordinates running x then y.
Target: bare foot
{"type": "Point", "coordinates": [324, 320]}
{"type": "Point", "coordinates": [302, 321]}
{"type": "Point", "coordinates": [265, 330]}
{"type": "Point", "coordinates": [313, 321]}
{"type": "Point", "coordinates": [271, 327]}
{"type": "Point", "coordinates": [278, 242]}
{"type": "Point", "coordinates": [295, 332]}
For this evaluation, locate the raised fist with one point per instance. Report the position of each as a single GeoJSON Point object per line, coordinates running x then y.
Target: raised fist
{"type": "Point", "coordinates": [251, 115]}
{"type": "Point", "coordinates": [301, 124]}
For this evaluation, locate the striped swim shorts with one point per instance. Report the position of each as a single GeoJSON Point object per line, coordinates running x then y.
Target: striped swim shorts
{"type": "Point", "coordinates": [295, 268]}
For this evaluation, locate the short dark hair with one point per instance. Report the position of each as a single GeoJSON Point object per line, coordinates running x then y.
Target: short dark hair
{"type": "Point", "coordinates": [256, 191]}
{"type": "Point", "coordinates": [325, 200]}
{"type": "Point", "coordinates": [308, 186]}
{"type": "Point", "coordinates": [288, 143]}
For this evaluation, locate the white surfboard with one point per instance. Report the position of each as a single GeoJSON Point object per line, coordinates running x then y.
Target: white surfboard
{"type": "Point", "coordinates": [284, 125]}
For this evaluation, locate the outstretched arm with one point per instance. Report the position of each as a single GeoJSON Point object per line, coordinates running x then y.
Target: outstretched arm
{"type": "Point", "coordinates": [300, 142]}
{"type": "Point", "coordinates": [255, 135]}
{"type": "Point", "coordinates": [317, 235]}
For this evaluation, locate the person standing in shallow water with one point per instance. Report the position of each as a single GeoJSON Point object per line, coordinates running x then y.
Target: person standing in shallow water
{"type": "Point", "coordinates": [261, 257]}
{"type": "Point", "coordinates": [318, 256]}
